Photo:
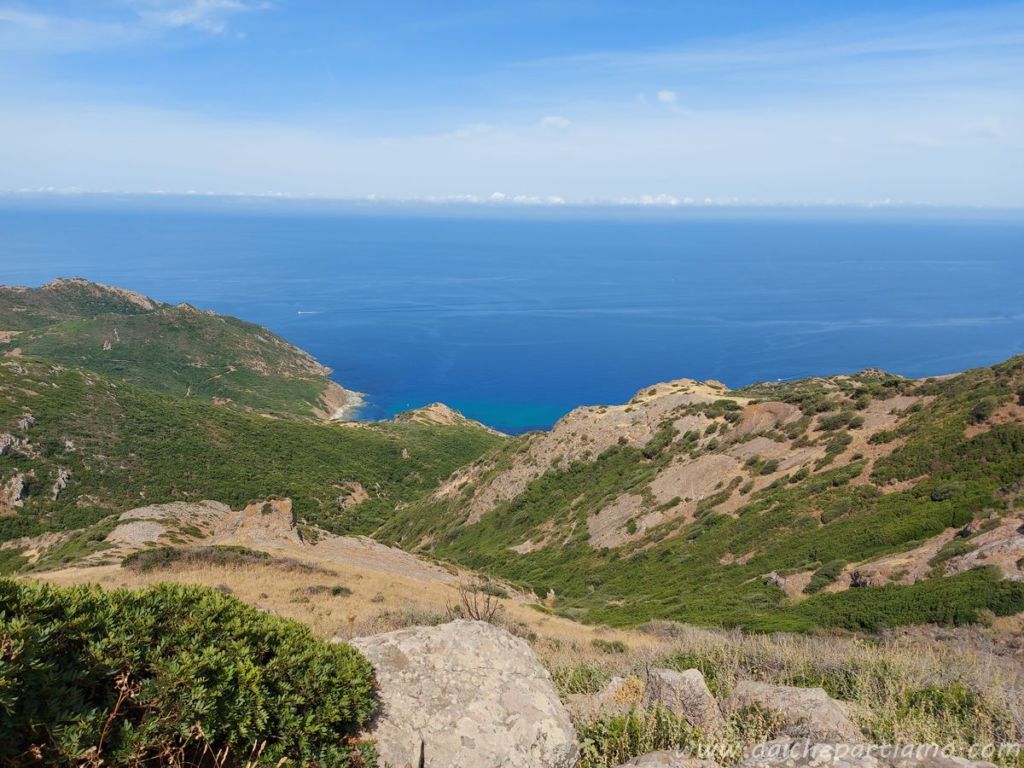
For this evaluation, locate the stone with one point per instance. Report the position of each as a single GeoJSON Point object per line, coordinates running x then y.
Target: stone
{"type": "Point", "coordinates": [807, 713]}
{"type": "Point", "coordinates": [617, 697]}
{"type": "Point", "coordinates": [685, 694]}
{"type": "Point", "coordinates": [63, 475]}
{"type": "Point", "coordinates": [14, 492]}
{"type": "Point", "coordinates": [667, 759]}
{"type": "Point", "coordinates": [470, 695]}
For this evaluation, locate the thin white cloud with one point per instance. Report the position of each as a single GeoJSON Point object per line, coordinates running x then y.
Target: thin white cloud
{"type": "Point", "coordinates": [205, 15]}
{"type": "Point", "coordinates": [897, 152]}
{"type": "Point", "coordinates": [555, 121]}
{"type": "Point", "coordinates": [667, 97]}
{"type": "Point", "coordinates": [28, 31]}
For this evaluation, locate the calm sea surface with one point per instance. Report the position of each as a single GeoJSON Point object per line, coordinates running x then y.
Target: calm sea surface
{"type": "Point", "coordinates": [515, 320]}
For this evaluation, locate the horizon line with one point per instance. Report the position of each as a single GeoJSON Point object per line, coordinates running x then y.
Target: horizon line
{"type": "Point", "coordinates": [501, 200]}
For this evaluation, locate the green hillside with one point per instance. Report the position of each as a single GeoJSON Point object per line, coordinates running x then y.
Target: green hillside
{"type": "Point", "coordinates": [177, 350]}
{"type": "Point", "coordinates": [23, 309]}
{"type": "Point", "coordinates": [121, 446]}
{"type": "Point", "coordinates": [956, 457]}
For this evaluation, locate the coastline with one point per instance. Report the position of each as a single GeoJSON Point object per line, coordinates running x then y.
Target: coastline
{"type": "Point", "coordinates": [340, 404]}
{"type": "Point", "coordinates": [350, 410]}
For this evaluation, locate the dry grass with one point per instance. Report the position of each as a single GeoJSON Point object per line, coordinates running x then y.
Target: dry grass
{"type": "Point", "coordinates": [959, 688]}
{"type": "Point", "coordinates": [918, 686]}
{"type": "Point", "coordinates": [379, 600]}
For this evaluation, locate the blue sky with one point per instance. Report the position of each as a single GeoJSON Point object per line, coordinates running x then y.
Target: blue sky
{"type": "Point", "coordinates": [540, 102]}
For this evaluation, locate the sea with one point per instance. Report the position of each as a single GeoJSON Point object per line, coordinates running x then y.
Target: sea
{"type": "Point", "coordinates": [514, 316]}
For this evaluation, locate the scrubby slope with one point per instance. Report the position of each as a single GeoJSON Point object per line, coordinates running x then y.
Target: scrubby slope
{"type": "Point", "coordinates": [760, 507]}
{"type": "Point", "coordinates": [178, 350]}
{"type": "Point", "coordinates": [77, 447]}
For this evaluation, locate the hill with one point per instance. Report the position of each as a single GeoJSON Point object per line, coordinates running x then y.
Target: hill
{"type": "Point", "coordinates": [177, 350]}
{"type": "Point", "coordinates": [76, 448]}
{"type": "Point", "coordinates": [854, 501]}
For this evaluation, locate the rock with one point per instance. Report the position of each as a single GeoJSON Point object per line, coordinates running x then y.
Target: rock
{"type": "Point", "coordinates": [7, 442]}
{"type": "Point", "coordinates": [685, 694]}
{"type": "Point", "coordinates": [809, 754]}
{"type": "Point", "coordinates": [618, 697]}
{"type": "Point", "coordinates": [260, 524]}
{"type": "Point", "coordinates": [63, 475]}
{"type": "Point", "coordinates": [26, 421]}
{"type": "Point", "coordinates": [352, 494]}
{"type": "Point", "coordinates": [471, 694]}
{"type": "Point", "coordinates": [667, 759]}
{"type": "Point", "coordinates": [13, 493]}
{"type": "Point", "coordinates": [808, 713]}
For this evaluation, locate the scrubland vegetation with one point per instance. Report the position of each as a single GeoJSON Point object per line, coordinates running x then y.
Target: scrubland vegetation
{"type": "Point", "coordinates": [905, 688]}
{"type": "Point", "coordinates": [173, 676]}
{"type": "Point", "coordinates": [816, 521]}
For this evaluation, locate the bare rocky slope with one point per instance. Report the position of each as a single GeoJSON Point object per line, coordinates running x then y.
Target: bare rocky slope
{"type": "Point", "coordinates": [856, 500]}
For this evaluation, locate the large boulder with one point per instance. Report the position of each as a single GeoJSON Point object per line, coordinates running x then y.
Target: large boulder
{"type": "Point", "coordinates": [685, 694]}
{"type": "Point", "coordinates": [465, 695]}
{"type": "Point", "coordinates": [802, 753]}
{"type": "Point", "coordinates": [667, 759]}
{"type": "Point", "coordinates": [803, 712]}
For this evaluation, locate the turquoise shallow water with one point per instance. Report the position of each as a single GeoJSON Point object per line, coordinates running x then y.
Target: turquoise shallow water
{"type": "Point", "coordinates": [517, 319]}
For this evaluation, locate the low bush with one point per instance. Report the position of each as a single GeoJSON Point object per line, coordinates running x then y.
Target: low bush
{"type": "Point", "coordinates": [825, 575]}
{"type": "Point", "coordinates": [171, 675]}
{"type": "Point", "coordinates": [146, 560]}
{"type": "Point", "coordinates": [609, 646]}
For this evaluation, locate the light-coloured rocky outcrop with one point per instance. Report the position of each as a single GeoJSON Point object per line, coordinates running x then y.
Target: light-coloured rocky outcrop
{"type": "Point", "coordinates": [804, 712]}
{"type": "Point", "coordinates": [466, 695]}
{"type": "Point", "coordinates": [14, 492]}
{"type": "Point", "coordinates": [60, 482]}
{"type": "Point", "coordinates": [685, 694]}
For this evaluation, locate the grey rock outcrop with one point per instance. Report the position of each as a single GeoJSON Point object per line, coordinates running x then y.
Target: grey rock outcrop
{"type": "Point", "coordinates": [804, 712]}
{"type": "Point", "coordinates": [60, 483]}
{"type": "Point", "coordinates": [687, 695]}
{"type": "Point", "coordinates": [809, 754]}
{"type": "Point", "coordinates": [14, 492]}
{"type": "Point", "coordinates": [471, 694]}
{"type": "Point", "coordinates": [617, 697]}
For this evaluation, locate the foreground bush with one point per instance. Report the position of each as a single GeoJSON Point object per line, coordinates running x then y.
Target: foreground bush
{"type": "Point", "coordinates": [171, 675]}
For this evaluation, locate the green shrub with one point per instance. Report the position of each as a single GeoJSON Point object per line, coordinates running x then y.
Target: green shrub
{"type": "Point", "coordinates": [825, 575]}
{"type": "Point", "coordinates": [222, 555]}
{"type": "Point", "coordinates": [613, 739]}
{"type": "Point", "coordinates": [982, 410]}
{"type": "Point", "coordinates": [609, 646]}
{"type": "Point", "coordinates": [954, 702]}
{"type": "Point", "coordinates": [124, 678]}
{"type": "Point", "coordinates": [581, 678]}
{"type": "Point", "coordinates": [951, 549]}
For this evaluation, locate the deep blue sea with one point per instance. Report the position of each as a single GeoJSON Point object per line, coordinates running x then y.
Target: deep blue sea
{"type": "Point", "coordinates": [516, 318]}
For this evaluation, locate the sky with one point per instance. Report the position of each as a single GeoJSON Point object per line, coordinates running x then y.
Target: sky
{"type": "Point", "coordinates": [565, 101]}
